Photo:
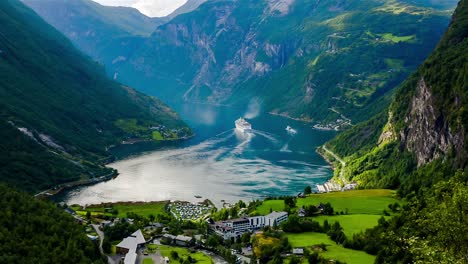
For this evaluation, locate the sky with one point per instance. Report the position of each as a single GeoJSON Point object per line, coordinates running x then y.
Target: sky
{"type": "Point", "coordinates": [151, 8]}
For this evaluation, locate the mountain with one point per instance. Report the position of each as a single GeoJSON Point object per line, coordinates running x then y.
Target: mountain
{"type": "Point", "coordinates": [330, 62]}
{"type": "Point", "coordinates": [312, 60]}
{"type": "Point", "coordinates": [96, 29]}
{"type": "Point", "coordinates": [34, 231]}
{"type": "Point", "coordinates": [188, 7]}
{"type": "Point", "coordinates": [419, 144]}
{"type": "Point", "coordinates": [424, 128]}
{"type": "Point", "coordinates": [59, 111]}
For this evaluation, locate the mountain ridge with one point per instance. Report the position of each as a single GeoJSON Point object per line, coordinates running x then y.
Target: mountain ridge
{"type": "Point", "coordinates": [62, 109]}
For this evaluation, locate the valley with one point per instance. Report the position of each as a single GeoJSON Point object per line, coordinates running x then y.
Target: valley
{"type": "Point", "coordinates": [270, 131]}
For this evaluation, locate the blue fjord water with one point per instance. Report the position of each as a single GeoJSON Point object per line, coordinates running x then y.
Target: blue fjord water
{"type": "Point", "coordinates": [219, 163]}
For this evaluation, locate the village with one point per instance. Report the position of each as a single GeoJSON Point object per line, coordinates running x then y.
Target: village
{"type": "Point", "coordinates": [184, 232]}
{"type": "Point", "coordinates": [203, 233]}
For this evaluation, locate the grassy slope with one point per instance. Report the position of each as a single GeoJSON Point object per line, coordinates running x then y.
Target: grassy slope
{"type": "Point", "coordinates": [371, 202]}
{"type": "Point", "coordinates": [365, 208]}
{"type": "Point", "coordinates": [142, 209]}
{"type": "Point", "coordinates": [333, 251]}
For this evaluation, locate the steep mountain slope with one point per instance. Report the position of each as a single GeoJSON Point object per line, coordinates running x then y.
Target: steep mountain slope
{"type": "Point", "coordinates": [100, 31]}
{"type": "Point", "coordinates": [419, 144]}
{"type": "Point", "coordinates": [306, 59]}
{"type": "Point", "coordinates": [59, 111]}
{"type": "Point", "coordinates": [33, 231]}
{"type": "Point", "coordinates": [424, 131]}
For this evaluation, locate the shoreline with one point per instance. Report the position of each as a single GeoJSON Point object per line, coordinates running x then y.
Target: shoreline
{"type": "Point", "coordinates": [53, 191]}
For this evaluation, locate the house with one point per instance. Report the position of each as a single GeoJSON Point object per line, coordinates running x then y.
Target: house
{"type": "Point", "coordinates": [184, 241]}
{"type": "Point", "coordinates": [130, 258]}
{"type": "Point", "coordinates": [131, 243]}
{"type": "Point", "coordinates": [301, 212]}
{"type": "Point", "coordinates": [168, 239]}
{"type": "Point", "coordinates": [105, 223]}
{"type": "Point", "coordinates": [298, 251]}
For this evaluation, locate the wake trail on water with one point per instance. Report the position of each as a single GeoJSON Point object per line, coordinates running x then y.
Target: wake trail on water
{"type": "Point", "coordinates": [266, 135]}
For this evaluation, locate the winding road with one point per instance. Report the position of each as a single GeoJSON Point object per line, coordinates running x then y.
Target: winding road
{"type": "Point", "coordinates": [343, 164]}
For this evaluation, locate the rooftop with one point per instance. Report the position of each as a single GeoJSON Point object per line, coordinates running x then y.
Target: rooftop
{"type": "Point", "coordinates": [276, 214]}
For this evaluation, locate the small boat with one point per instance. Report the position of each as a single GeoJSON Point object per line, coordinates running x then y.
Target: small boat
{"type": "Point", "coordinates": [198, 196]}
{"type": "Point", "coordinates": [291, 130]}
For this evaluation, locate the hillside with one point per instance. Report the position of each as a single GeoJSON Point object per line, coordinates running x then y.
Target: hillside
{"type": "Point", "coordinates": [419, 145]}
{"type": "Point", "coordinates": [100, 31]}
{"type": "Point", "coordinates": [34, 231]}
{"type": "Point", "coordinates": [426, 123]}
{"type": "Point", "coordinates": [59, 111]}
{"type": "Point", "coordinates": [338, 62]}
{"type": "Point", "coordinates": [312, 60]}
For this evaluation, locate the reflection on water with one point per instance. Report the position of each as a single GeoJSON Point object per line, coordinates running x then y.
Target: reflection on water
{"type": "Point", "coordinates": [219, 164]}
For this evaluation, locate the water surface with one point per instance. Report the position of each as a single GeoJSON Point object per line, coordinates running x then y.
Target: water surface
{"type": "Point", "coordinates": [219, 163]}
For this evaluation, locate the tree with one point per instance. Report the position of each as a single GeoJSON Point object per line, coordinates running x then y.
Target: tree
{"type": "Point", "coordinates": [106, 246]}
{"type": "Point", "coordinates": [290, 201]}
{"type": "Point", "coordinates": [241, 204]}
{"type": "Point", "coordinates": [294, 260]}
{"type": "Point", "coordinates": [314, 258]}
{"type": "Point", "coordinates": [88, 215]}
{"type": "Point", "coordinates": [115, 212]}
{"type": "Point", "coordinates": [151, 217]}
{"type": "Point", "coordinates": [174, 255]}
{"type": "Point", "coordinates": [328, 209]}
{"type": "Point", "coordinates": [307, 190]}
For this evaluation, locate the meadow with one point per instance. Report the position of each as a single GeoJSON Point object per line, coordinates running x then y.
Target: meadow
{"type": "Point", "coordinates": [142, 209]}
{"type": "Point", "coordinates": [371, 202]}
{"type": "Point", "coordinates": [333, 251]}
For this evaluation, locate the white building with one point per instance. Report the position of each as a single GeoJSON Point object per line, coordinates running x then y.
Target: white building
{"type": "Point", "coordinates": [257, 222]}
{"type": "Point", "coordinates": [129, 246]}
{"type": "Point", "coordinates": [236, 227]}
{"type": "Point", "coordinates": [276, 218]}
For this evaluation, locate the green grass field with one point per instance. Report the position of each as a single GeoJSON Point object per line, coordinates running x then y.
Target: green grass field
{"type": "Point", "coordinates": [351, 224]}
{"type": "Point", "coordinates": [371, 202]}
{"type": "Point", "coordinates": [275, 205]}
{"type": "Point", "coordinates": [184, 253]}
{"type": "Point", "coordinates": [357, 202]}
{"type": "Point", "coordinates": [143, 209]}
{"type": "Point", "coordinates": [334, 251]}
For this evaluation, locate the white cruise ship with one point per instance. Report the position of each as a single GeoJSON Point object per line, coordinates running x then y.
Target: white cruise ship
{"type": "Point", "coordinates": [243, 125]}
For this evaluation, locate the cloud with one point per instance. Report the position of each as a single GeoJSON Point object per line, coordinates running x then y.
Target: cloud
{"type": "Point", "coordinates": [151, 8]}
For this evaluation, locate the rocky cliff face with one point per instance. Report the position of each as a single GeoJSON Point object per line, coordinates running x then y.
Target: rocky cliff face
{"type": "Point", "coordinates": [307, 59]}
{"type": "Point", "coordinates": [320, 61]}
{"type": "Point", "coordinates": [427, 133]}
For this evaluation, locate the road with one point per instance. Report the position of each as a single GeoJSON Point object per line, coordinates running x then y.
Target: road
{"type": "Point", "coordinates": [101, 239]}
{"type": "Point", "coordinates": [343, 164]}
